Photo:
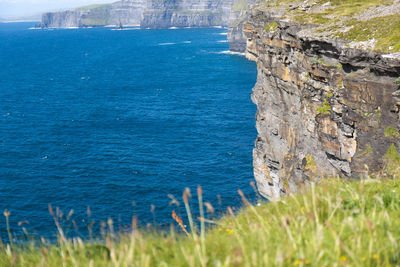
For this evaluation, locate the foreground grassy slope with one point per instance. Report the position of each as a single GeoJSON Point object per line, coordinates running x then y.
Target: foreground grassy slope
{"type": "Point", "coordinates": [334, 223]}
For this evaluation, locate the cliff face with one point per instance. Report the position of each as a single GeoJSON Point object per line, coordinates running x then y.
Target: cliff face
{"type": "Point", "coordinates": [149, 14]}
{"type": "Point", "coordinates": [127, 12]}
{"type": "Point", "coordinates": [181, 13]}
{"type": "Point", "coordinates": [70, 18]}
{"type": "Point", "coordinates": [323, 108]}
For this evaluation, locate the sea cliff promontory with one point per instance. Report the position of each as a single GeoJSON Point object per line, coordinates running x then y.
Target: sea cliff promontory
{"type": "Point", "coordinates": [149, 14]}
{"type": "Point", "coordinates": [327, 91]}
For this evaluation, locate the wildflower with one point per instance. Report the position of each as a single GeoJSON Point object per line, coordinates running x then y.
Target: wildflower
{"type": "Point", "coordinates": [229, 231]}
{"type": "Point", "coordinates": [375, 256]}
{"type": "Point", "coordinates": [343, 258]}
{"type": "Point", "coordinates": [297, 262]}
{"type": "Point", "coordinates": [307, 261]}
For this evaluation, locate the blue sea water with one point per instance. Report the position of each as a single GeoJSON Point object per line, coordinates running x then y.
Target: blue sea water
{"type": "Point", "coordinates": [117, 120]}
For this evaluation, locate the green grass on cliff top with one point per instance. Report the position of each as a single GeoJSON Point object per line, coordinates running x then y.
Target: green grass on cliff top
{"type": "Point", "coordinates": [336, 223]}
{"type": "Point", "coordinates": [94, 6]}
{"type": "Point", "coordinates": [347, 19]}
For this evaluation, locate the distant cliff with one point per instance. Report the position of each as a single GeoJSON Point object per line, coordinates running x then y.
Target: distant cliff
{"type": "Point", "coordinates": [236, 35]}
{"type": "Point", "coordinates": [125, 12]}
{"type": "Point", "coordinates": [149, 14]}
{"type": "Point", "coordinates": [327, 92]}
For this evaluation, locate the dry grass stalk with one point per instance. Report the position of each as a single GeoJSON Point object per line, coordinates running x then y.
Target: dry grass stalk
{"type": "Point", "coordinates": [179, 221]}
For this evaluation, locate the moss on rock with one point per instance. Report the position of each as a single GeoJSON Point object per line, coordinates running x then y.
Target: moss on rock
{"type": "Point", "coordinates": [391, 132]}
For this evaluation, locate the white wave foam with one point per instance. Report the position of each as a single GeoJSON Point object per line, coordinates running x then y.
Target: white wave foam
{"type": "Point", "coordinates": [125, 25]}
{"type": "Point", "coordinates": [126, 29]}
{"type": "Point", "coordinates": [184, 42]}
{"type": "Point", "coordinates": [227, 52]}
{"type": "Point", "coordinates": [222, 41]}
{"type": "Point", "coordinates": [63, 28]}
{"type": "Point", "coordinates": [172, 28]}
{"type": "Point", "coordinates": [222, 33]}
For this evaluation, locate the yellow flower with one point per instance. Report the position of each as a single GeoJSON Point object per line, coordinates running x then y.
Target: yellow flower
{"type": "Point", "coordinates": [308, 262]}
{"type": "Point", "coordinates": [343, 258]}
{"type": "Point", "coordinates": [229, 231]}
{"type": "Point", "coordinates": [375, 256]}
{"type": "Point", "coordinates": [297, 262]}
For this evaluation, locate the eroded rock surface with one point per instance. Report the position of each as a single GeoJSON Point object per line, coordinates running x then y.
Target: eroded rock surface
{"type": "Point", "coordinates": [323, 109]}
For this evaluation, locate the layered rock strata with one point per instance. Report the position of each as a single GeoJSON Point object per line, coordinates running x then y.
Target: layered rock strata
{"type": "Point", "coordinates": [323, 109]}
{"type": "Point", "coordinates": [195, 13]}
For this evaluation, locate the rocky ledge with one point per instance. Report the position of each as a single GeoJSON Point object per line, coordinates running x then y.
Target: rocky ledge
{"type": "Point", "coordinates": [324, 108]}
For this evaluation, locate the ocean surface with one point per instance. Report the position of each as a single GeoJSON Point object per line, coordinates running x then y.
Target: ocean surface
{"type": "Point", "coordinates": [116, 121]}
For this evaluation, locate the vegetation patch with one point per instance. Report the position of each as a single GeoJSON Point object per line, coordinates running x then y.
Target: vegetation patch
{"type": "Point", "coordinates": [340, 84]}
{"type": "Point", "coordinates": [325, 108]}
{"type": "Point", "coordinates": [349, 20]}
{"type": "Point", "coordinates": [391, 132]}
{"type": "Point", "coordinates": [367, 151]}
{"type": "Point", "coordinates": [392, 158]}
{"type": "Point", "coordinates": [311, 165]}
{"type": "Point", "coordinates": [95, 6]}
{"type": "Point", "coordinates": [385, 30]}
{"type": "Point", "coordinates": [312, 18]}
{"type": "Point", "coordinates": [273, 26]}
{"type": "Point", "coordinates": [397, 81]}
{"type": "Point", "coordinates": [338, 66]}
{"type": "Point", "coordinates": [239, 5]}
{"type": "Point", "coordinates": [317, 60]}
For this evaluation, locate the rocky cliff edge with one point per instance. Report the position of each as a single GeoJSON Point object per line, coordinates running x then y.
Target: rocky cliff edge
{"type": "Point", "coordinates": [326, 106]}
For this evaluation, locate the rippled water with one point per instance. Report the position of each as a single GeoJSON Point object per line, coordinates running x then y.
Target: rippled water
{"type": "Point", "coordinates": [117, 120]}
